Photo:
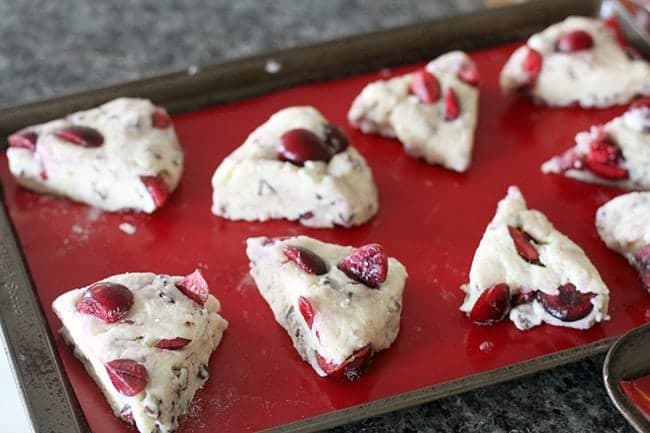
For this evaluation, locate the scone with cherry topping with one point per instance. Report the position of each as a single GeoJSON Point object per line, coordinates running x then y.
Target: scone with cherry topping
{"type": "Point", "coordinates": [432, 112]}
{"type": "Point", "coordinates": [578, 60]}
{"type": "Point", "coordinates": [526, 269]}
{"type": "Point", "coordinates": [123, 155]}
{"type": "Point", "coordinates": [146, 340]}
{"type": "Point", "coordinates": [296, 166]}
{"type": "Point", "coordinates": [623, 223]}
{"type": "Point", "coordinates": [340, 305]}
{"type": "Point", "coordinates": [616, 153]}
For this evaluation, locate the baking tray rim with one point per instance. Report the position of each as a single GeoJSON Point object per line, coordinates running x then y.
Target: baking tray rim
{"type": "Point", "coordinates": [624, 363]}
{"type": "Point", "coordinates": [29, 342]}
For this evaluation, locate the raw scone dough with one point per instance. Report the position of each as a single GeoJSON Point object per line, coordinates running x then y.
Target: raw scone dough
{"type": "Point", "coordinates": [253, 184]}
{"type": "Point", "coordinates": [625, 140]}
{"type": "Point", "coordinates": [599, 76]}
{"type": "Point", "coordinates": [348, 316]}
{"type": "Point", "coordinates": [159, 311]}
{"type": "Point", "coordinates": [119, 156]}
{"type": "Point", "coordinates": [623, 223]}
{"type": "Point", "coordinates": [388, 108]}
{"type": "Point", "coordinates": [497, 260]}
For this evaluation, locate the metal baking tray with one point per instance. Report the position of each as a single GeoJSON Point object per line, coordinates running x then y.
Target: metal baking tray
{"type": "Point", "coordinates": [628, 359]}
{"type": "Point", "coordinates": [33, 347]}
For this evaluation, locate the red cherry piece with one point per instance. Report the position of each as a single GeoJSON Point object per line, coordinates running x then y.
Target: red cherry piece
{"type": "Point", "coordinates": [468, 73]}
{"type": "Point", "coordinates": [176, 343]}
{"type": "Point", "coordinates": [604, 151]}
{"type": "Point", "coordinates": [157, 188]}
{"type": "Point", "coordinates": [425, 86]}
{"type": "Point", "coordinates": [576, 40]}
{"type": "Point", "coordinates": [452, 109]}
{"type": "Point", "coordinates": [307, 260]}
{"type": "Point", "coordinates": [642, 257]}
{"type": "Point", "coordinates": [352, 368]}
{"type": "Point", "coordinates": [23, 139]}
{"type": "Point", "coordinates": [127, 376]}
{"type": "Point", "coordinates": [368, 265]}
{"type": "Point", "coordinates": [533, 64]}
{"type": "Point", "coordinates": [603, 159]}
{"type": "Point", "coordinates": [83, 136]}
{"type": "Point", "coordinates": [524, 243]}
{"type": "Point", "coordinates": [107, 301]}
{"type": "Point", "coordinates": [160, 119]}
{"type": "Point", "coordinates": [335, 138]}
{"type": "Point", "coordinates": [607, 171]}
{"type": "Point", "coordinates": [307, 310]}
{"type": "Point", "coordinates": [300, 145]}
{"type": "Point", "coordinates": [639, 103]}
{"type": "Point", "coordinates": [522, 298]}
{"type": "Point", "coordinates": [492, 306]}
{"type": "Point", "coordinates": [194, 287]}
{"type": "Point", "coordinates": [569, 304]}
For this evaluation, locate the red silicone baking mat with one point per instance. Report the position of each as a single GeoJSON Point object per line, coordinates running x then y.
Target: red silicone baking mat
{"type": "Point", "coordinates": [429, 218]}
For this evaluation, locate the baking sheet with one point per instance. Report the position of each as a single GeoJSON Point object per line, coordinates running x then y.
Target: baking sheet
{"type": "Point", "coordinates": [429, 218]}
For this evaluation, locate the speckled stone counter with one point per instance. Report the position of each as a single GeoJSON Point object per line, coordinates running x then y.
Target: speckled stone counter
{"type": "Point", "coordinates": [51, 47]}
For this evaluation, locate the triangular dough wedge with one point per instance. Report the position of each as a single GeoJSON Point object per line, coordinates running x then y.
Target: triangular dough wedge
{"type": "Point", "coordinates": [340, 305]}
{"type": "Point", "coordinates": [433, 111]}
{"type": "Point", "coordinates": [578, 60]}
{"type": "Point", "coordinates": [525, 268]}
{"type": "Point", "coordinates": [121, 155]}
{"type": "Point", "coordinates": [146, 340]}
{"type": "Point", "coordinates": [623, 223]}
{"type": "Point", "coordinates": [616, 153]}
{"type": "Point", "coordinates": [299, 167]}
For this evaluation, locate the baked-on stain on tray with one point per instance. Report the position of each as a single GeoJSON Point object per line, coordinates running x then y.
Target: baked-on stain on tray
{"type": "Point", "coordinates": [431, 219]}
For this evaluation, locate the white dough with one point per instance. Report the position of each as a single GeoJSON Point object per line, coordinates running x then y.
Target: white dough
{"type": "Point", "coordinates": [598, 77]}
{"type": "Point", "coordinates": [497, 261]}
{"type": "Point", "coordinates": [387, 107]}
{"type": "Point", "coordinates": [159, 311]}
{"type": "Point", "coordinates": [252, 184]}
{"type": "Point", "coordinates": [127, 228]}
{"type": "Point", "coordinates": [109, 176]}
{"type": "Point", "coordinates": [623, 223]}
{"type": "Point", "coordinates": [630, 132]}
{"type": "Point", "coordinates": [349, 315]}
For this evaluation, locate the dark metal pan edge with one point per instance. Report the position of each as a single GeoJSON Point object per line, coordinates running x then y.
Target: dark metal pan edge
{"type": "Point", "coordinates": [628, 358]}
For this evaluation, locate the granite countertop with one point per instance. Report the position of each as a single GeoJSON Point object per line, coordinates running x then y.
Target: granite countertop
{"type": "Point", "coordinates": [51, 47]}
